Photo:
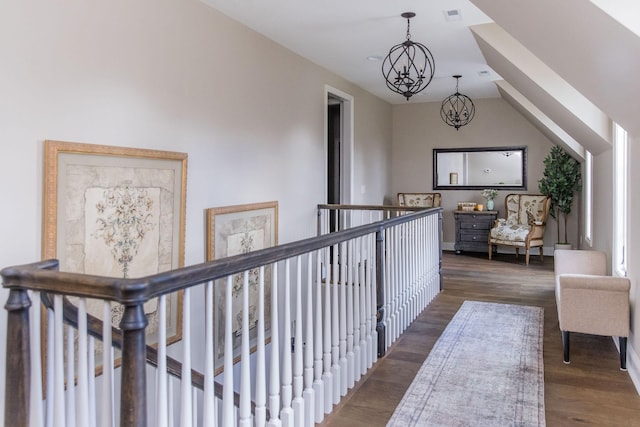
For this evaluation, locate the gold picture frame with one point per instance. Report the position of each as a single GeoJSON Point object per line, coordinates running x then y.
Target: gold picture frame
{"type": "Point", "coordinates": [232, 230]}
{"type": "Point", "coordinates": [86, 187]}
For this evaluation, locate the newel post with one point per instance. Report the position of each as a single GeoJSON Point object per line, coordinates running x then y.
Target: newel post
{"type": "Point", "coordinates": [133, 397]}
{"type": "Point", "coordinates": [18, 363]}
{"type": "Point", "coordinates": [380, 326]}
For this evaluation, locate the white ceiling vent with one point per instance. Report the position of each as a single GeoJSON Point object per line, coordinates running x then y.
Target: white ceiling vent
{"type": "Point", "coordinates": [452, 15]}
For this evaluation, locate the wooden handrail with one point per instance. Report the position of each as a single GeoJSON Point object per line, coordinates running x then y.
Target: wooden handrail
{"type": "Point", "coordinates": [43, 276]}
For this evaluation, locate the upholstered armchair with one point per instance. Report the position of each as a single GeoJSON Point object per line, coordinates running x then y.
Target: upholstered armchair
{"type": "Point", "coordinates": [589, 301]}
{"type": "Point", "coordinates": [523, 227]}
{"type": "Point", "coordinates": [425, 200]}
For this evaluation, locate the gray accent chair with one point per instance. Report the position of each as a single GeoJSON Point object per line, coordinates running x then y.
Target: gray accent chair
{"type": "Point", "coordinates": [590, 301]}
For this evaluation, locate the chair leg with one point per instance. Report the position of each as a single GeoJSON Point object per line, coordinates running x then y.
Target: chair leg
{"type": "Point", "coordinates": [565, 347]}
{"type": "Point", "coordinates": [490, 250]}
{"type": "Point", "coordinates": [517, 252]}
{"type": "Point", "coordinates": [541, 254]}
{"type": "Point", "coordinates": [623, 353]}
{"type": "Point", "coordinates": [526, 256]}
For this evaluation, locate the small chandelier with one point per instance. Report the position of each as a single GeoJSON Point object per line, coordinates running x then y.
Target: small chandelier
{"type": "Point", "coordinates": [458, 109]}
{"type": "Point", "coordinates": [409, 66]}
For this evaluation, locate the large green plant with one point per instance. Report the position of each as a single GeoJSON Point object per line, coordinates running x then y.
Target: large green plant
{"type": "Point", "coordinates": [561, 180]}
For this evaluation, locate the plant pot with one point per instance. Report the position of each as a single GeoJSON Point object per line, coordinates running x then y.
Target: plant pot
{"type": "Point", "coordinates": [563, 246]}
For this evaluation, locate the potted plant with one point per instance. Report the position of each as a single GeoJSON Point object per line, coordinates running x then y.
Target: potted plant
{"type": "Point", "coordinates": [561, 180]}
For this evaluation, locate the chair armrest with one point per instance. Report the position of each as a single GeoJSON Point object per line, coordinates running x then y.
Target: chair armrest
{"type": "Point", "coordinates": [593, 304]}
{"type": "Point", "coordinates": [499, 221]}
{"type": "Point", "coordinates": [589, 282]}
{"type": "Point", "coordinates": [537, 231]}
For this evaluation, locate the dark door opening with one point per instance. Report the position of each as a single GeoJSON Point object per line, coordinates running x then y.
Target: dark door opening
{"type": "Point", "coordinates": [334, 161]}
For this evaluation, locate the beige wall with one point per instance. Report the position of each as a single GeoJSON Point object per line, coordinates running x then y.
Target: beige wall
{"type": "Point", "coordinates": [634, 250]}
{"type": "Point", "coordinates": [418, 129]}
{"type": "Point", "coordinates": [171, 75]}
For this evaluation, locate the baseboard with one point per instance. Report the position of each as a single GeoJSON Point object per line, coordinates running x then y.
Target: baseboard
{"type": "Point", "coordinates": [547, 250]}
{"type": "Point", "coordinates": [633, 363]}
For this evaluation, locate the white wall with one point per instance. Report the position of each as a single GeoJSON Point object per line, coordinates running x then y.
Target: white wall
{"type": "Point", "coordinates": [634, 255]}
{"type": "Point", "coordinates": [172, 75]}
{"type": "Point", "coordinates": [418, 129]}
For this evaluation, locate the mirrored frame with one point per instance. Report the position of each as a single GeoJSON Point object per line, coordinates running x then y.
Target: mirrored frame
{"type": "Point", "coordinates": [503, 168]}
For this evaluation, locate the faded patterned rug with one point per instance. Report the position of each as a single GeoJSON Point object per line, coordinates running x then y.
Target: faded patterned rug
{"type": "Point", "coordinates": [486, 369]}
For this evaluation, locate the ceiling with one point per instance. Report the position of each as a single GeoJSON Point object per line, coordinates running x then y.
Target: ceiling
{"type": "Point", "coordinates": [570, 81]}
{"type": "Point", "coordinates": [341, 35]}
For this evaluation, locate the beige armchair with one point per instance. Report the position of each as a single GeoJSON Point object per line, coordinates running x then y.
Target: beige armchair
{"type": "Point", "coordinates": [523, 227]}
{"type": "Point", "coordinates": [426, 200]}
{"type": "Point", "coordinates": [589, 301]}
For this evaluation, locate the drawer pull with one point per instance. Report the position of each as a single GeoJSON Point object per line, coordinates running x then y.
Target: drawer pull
{"type": "Point", "coordinates": [475, 225]}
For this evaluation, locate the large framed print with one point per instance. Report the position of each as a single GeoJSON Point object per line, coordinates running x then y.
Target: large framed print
{"type": "Point", "coordinates": [92, 195]}
{"type": "Point", "coordinates": [233, 230]}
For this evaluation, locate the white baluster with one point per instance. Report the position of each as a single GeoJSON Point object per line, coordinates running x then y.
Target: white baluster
{"type": "Point", "coordinates": [274, 371]}
{"type": "Point", "coordinates": [36, 416]}
{"type": "Point", "coordinates": [318, 383]}
{"type": "Point", "coordinates": [58, 396]}
{"type": "Point", "coordinates": [372, 297]}
{"type": "Point", "coordinates": [261, 381]}
{"type": "Point", "coordinates": [362, 331]}
{"type": "Point", "coordinates": [298, 402]}
{"type": "Point", "coordinates": [50, 412]}
{"type": "Point", "coordinates": [245, 363]}
{"type": "Point", "coordinates": [335, 325]}
{"type": "Point", "coordinates": [208, 398]}
{"type": "Point", "coordinates": [357, 284]}
{"type": "Point", "coordinates": [92, 382]}
{"type": "Point", "coordinates": [107, 368]}
{"type": "Point", "coordinates": [344, 379]}
{"type": "Point", "coordinates": [327, 375]}
{"type": "Point", "coordinates": [194, 405]}
{"type": "Point", "coordinates": [170, 399]}
{"type": "Point", "coordinates": [228, 411]}
{"type": "Point", "coordinates": [161, 372]}
{"type": "Point", "coordinates": [389, 298]}
{"type": "Point", "coordinates": [287, 411]}
{"type": "Point", "coordinates": [185, 393]}
{"type": "Point", "coordinates": [82, 417]}
{"type": "Point", "coordinates": [308, 394]}
{"type": "Point", "coordinates": [351, 262]}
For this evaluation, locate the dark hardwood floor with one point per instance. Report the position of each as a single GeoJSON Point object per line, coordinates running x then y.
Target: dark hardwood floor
{"type": "Point", "coordinates": [590, 391]}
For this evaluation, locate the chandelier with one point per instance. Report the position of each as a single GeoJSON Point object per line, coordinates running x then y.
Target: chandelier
{"type": "Point", "coordinates": [457, 110]}
{"type": "Point", "coordinates": [409, 66]}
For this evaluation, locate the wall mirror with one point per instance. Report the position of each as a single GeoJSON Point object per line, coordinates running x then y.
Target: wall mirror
{"type": "Point", "coordinates": [478, 168]}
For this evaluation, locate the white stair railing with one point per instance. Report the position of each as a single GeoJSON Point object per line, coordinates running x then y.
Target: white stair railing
{"type": "Point", "coordinates": [337, 302]}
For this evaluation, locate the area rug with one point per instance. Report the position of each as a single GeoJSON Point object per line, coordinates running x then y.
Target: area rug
{"type": "Point", "coordinates": [486, 369]}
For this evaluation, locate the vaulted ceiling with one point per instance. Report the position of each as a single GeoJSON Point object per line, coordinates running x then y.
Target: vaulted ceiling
{"type": "Point", "coordinates": [570, 67]}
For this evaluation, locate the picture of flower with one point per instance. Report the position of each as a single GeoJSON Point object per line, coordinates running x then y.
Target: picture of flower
{"type": "Point", "coordinates": [489, 193]}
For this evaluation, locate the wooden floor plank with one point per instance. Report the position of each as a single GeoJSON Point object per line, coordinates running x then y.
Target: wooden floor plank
{"type": "Point", "coordinates": [591, 391]}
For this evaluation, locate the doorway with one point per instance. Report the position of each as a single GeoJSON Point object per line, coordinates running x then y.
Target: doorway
{"type": "Point", "coordinates": [339, 150]}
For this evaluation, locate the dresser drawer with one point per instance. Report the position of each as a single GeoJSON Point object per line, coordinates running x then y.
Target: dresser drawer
{"type": "Point", "coordinates": [482, 237]}
{"type": "Point", "coordinates": [476, 225]}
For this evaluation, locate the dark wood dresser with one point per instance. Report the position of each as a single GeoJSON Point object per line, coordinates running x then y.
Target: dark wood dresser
{"type": "Point", "coordinates": [472, 230]}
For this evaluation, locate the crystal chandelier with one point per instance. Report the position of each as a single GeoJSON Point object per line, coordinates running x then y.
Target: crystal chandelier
{"type": "Point", "coordinates": [457, 110]}
{"type": "Point", "coordinates": [409, 66]}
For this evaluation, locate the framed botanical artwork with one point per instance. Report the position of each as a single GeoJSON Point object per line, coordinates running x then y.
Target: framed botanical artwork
{"type": "Point", "coordinates": [92, 195]}
{"type": "Point", "coordinates": [233, 230]}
